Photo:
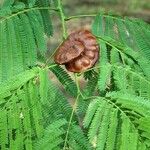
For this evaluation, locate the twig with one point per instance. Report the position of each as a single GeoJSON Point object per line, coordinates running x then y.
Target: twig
{"type": "Point", "coordinates": [79, 16]}
{"type": "Point", "coordinates": [72, 113]}
{"type": "Point", "coordinates": [62, 16]}
{"type": "Point", "coordinates": [26, 10]}
{"type": "Point", "coordinates": [47, 61]}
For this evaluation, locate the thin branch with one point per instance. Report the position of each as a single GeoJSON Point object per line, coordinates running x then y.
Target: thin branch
{"type": "Point", "coordinates": [92, 15]}
{"type": "Point", "coordinates": [109, 43]}
{"type": "Point", "coordinates": [62, 16]}
{"type": "Point", "coordinates": [80, 16]}
{"type": "Point", "coordinates": [96, 67]}
{"type": "Point", "coordinates": [51, 66]}
{"type": "Point", "coordinates": [73, 110]}
{"type": "Point", "coordinates": [122, 58]}
{"type": "Point", "coordinates": [72, 113]}
{"type": "Point", "coordinates": [78, 86]}
{"type": "Point", "coordinates": [50, 57]}
{"type": "Point", "coordinates": [27, 10]}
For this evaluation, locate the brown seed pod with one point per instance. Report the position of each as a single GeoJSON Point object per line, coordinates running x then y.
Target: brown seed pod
{"type": "Point", "coordinates": [78, 52]}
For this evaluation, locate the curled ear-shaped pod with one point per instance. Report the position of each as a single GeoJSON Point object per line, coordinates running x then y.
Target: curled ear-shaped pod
{"type": "Point", "coordinates": [78, 52]}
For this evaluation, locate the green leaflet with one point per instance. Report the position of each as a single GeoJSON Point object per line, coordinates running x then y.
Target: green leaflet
{"type": "Point", "coordinates": [46, 17]}
{"type": "Point", "coordinates": [105, 67]}
{"type": "Point", "coordinates": [112, 132]}
{"type": "Point", "coordinates": [38, 31]}
{"type": "Point", "coordinates": [17, 81]}
{"type": "Point", "coordinates": [48, 141]}
{"type": "Point", "coordinates": [93, 106]}
{"type": "Point", "coordinates": [57, 101]}
{"type": "Point", "coordinates": [102, 134]}
{"type": "Point", "coordinates": [105, 73]}
{"type": "Point", "coordinates": [76, 142]}
{"type": "Point", "coordinates": [7, 3]}
{"type": "Point", "coordinates": [91, 85]}
{"type": "Point", "coordinates": [43, 78]}
{"type": "Point", "coordinates": [65, 80]}
{"type": "Point", "coordinates": [36, 111]}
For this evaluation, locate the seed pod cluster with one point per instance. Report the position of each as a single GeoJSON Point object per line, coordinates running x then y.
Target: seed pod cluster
{"type": "Point", "coordinates": [78, 52]}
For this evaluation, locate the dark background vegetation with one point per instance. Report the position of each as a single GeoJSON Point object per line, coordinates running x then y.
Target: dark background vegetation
{"type": "Point", "coordinates": [137, 8]}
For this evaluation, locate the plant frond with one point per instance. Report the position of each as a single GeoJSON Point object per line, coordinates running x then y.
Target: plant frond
{"type": "Point", "coordinates": [127, 31]}
{"type": "Point", "coordinates": [7, 88]}
{"type": "Point", "coordinates": [58, 104]}
{"type": "Point", "coordinates": [77, 139]}
{"type": "Point", "coordinates": [43, 89]}
{"type": "Point", "coordinates": [23, 103]}
{"type": "Point", "coordinates": [112, 124]}
{"type": "Point", "coordinates": [22, 110]}
{"type": "Point", "coordinates": [89, 89]}
{"type": "Point", "coordinates": [37, 27]}
{"type": "Point", "coordinates": [65, 80]}
{"type": "Point", "coordinates": [22, 31]}
{"type": "Point", "coordinates": [114, 56]}
{"type": "Point", "coordinates": [127, 34]}
{"type": "Point", "coordinates": [91, 85]}
{"type": "Point", "coordinates": [133, 82]}
{"type": "Point", "coordinates": [105, 69]}
{"type": "Point", "coordinates": [46, 16]}
{"type": "Point", "coordinates": [53, 136]}
{"type": "Point", "coordinates": [22, 106]}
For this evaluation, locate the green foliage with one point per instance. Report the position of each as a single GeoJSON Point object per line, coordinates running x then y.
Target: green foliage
{"type": "Point", "coordinates": [65, 80]}
{"type": "Point", "coordinates": [110, 112]}
{"type": "Point", "coordinates": [56, 129]}
{"type": "Point", "coordinates": [22, 29]}
{"type": "Point", "coordinates": [20, 110]}
{"type": "Point", "coordinates": [113, 121]}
